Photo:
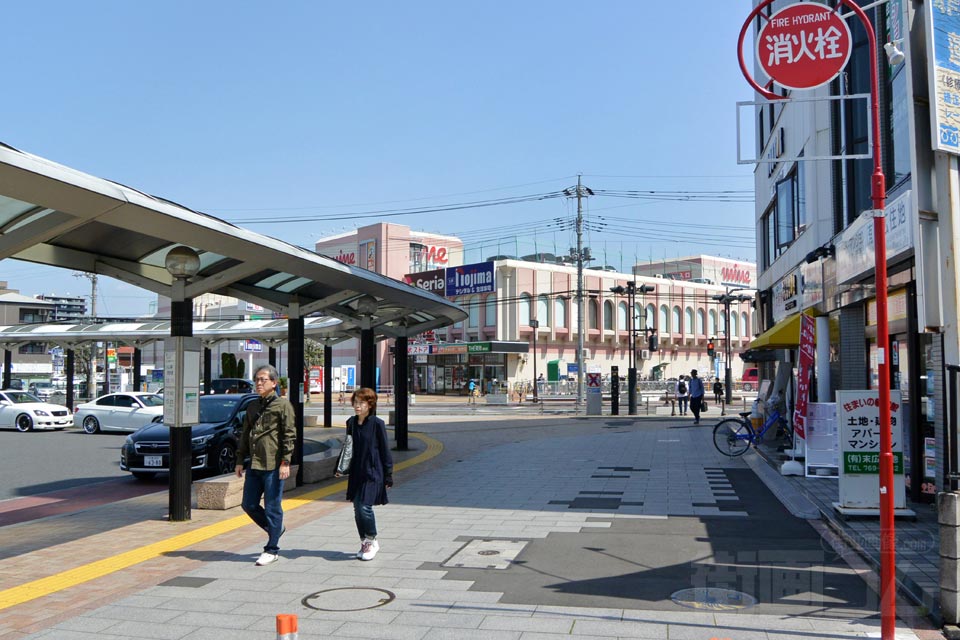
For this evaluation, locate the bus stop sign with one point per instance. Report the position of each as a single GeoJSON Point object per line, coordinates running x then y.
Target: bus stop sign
{"type": "Point", "coordinates": [803, 45]}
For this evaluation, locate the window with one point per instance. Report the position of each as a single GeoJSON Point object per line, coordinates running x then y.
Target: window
{"type": "Point", "coordinates": [723, 323]}
{"type": "Point", "coordinates": [126, 401]}
{"type": "Point", "coordinates": [744, 325]}
{"type": "Point", "coordinates": [524, 309]}
{"type": "Point", "coordinates": [560, 312]}
{"type": "Point", "coordinates": [637, 317]}
{"type": "Point", "coordinates": [651, 324]}
{"type": "Point", "coordinates": [594, 312]}
{"type": "Point", "coordinates": [473, 311]}
{"type": "Point", "coordinates": [688, 320]}
{"type": "Point", "coordinates": [786, 218]}
{"type": "Point", "coordinates": [32, 347]}
{"type": "Point", "coordinates": [712, 322]}
{"type": "Point", "coordinates": [608, 315]}
{"type": "Point", "coordinates": [675, 326]}
{"type": "Point", "coordinates": [701, 321]}
{"type": "Point", "coordinates": [622, 316]}
{"type": "Point", "coordinates": [28, 316]}
{"type": "Point", "coordinates": [543, 310]}
{"type": "Point", "coordinates": [664, 326]}
{"type": "Point", "coordinates": [107, 401]}
{"type": "Point", "coordinates": [733, 324]}
{"type": "Point", "coordinates": [490, 311]}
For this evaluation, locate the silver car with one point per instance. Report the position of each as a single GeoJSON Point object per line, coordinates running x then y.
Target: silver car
{"type": "Point", "coordinates": [119, 412]}
{"type": "Point", "coordinates": [25, 412]}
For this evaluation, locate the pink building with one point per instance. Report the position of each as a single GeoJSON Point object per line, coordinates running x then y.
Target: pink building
{"type": "Point", "coordinates": [496, 342]}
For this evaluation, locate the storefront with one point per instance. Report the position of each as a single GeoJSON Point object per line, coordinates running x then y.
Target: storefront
{"type": "Point", "coordinates": [446, 369]}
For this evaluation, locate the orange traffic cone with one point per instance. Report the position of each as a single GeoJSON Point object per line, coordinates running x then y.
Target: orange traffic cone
{"type": "Point", "coordinates": [286, 626]}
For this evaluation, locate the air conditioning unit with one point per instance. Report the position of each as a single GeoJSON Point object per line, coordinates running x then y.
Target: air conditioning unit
{"type": "Point", "coordinates": [645, 354]}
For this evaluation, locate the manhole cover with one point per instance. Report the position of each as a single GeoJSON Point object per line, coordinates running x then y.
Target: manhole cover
{"type": "Point", "coordinates": [348, 599]}
{"type": "Point", "coordinates": [486, 554]}
{"type": "Point", "coordinates": [713, 598]}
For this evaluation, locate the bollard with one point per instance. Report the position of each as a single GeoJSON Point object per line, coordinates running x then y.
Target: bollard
{"type": "Point", "coordinates": [673, 407]}
{"type": "Point", "coordinates": [286, 626]}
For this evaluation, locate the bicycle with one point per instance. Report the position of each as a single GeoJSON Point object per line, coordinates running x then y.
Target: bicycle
{"type": "Point", "coordinates": [733, 436]}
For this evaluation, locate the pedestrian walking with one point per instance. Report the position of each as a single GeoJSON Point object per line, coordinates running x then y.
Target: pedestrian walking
{"type": "Point", "coordinates": [371, 468]}
{"type": "Point", "coordinates": [471, 392]}
{"type": "Point", "coordinates": [683, 395]}
{"type": "Point", "coordinates": [267, 437]}
{"type": "Point", "coordinates": [718, 391]}
{"type": "Point", "coordinates": [697, 392]}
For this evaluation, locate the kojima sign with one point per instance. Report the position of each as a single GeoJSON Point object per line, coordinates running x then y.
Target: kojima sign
{"type": "Point", "coordinates": [470, 279]}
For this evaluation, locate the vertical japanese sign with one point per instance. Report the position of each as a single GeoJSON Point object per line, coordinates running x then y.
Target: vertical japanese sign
{"type": "Point", "coordinates": [804, 369]}
{"type": "Point", "coordinates": [858, 415]}
{"type": "Point", "coordinates": [943, 54]}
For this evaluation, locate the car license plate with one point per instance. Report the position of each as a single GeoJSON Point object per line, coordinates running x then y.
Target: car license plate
{"type": "Point", "coordinates": [153, 461]}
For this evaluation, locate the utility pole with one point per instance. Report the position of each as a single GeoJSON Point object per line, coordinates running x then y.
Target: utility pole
{"type": "Point", "coordinates": [92, 371]}
{"type": "Point", "coordinates": [579, 293]}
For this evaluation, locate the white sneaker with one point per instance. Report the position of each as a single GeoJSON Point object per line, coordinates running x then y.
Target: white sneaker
{"type": "Point", "coordinates": [370, 548]}
{"type": "Point", "coordinates": [363, 547]}
{"type": "Point", "coordinates": [267, 558]}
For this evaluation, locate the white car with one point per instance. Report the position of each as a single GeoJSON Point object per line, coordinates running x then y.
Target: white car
{"type": "Point", "coordinates": [24, 412]}
{"type": "Point", "coordinates": [119, 412]}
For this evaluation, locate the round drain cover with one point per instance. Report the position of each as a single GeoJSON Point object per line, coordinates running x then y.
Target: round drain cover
{"type": "Point", "coordinates": [488, 552]}
{"type": "Point", "coordinates": [713, 598]}
{"type": "Point", "coordinates": [348, 599]}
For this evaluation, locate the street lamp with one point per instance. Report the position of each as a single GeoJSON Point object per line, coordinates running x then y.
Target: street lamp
{"type": "Point", "coordinates": [182, 263]}
{"type": "Point", "coordinates": [878, 195]}
{"type": "Point", "coordinates": [725, 299]}
{"type": "Point", "coordinates": [535, 324]}
{"type": "Point", "coordinates": [631, 290]}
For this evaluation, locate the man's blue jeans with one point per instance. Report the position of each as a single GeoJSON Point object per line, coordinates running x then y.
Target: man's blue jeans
{"type": "Point", "coordinates": [270, 516]}
{"type": "Point", "coordinates": [366, 523]}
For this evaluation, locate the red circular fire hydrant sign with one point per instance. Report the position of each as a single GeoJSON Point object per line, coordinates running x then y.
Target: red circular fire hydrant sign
{"type": "Point", "coordinates": [803, 46]}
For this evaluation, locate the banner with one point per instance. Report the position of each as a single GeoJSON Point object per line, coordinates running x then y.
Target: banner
{"type": "Point", "coordinates": [804, 370]}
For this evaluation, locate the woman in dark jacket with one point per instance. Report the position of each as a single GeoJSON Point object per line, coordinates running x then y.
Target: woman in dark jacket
{"type": "Point", "coordinates": [371, 468]}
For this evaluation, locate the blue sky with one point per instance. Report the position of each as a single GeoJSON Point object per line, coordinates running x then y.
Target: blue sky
{"type": "Point", "coordinates": [262, 112]}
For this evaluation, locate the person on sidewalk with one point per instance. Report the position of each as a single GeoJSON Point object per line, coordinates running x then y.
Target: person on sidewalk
{"type": "Point", "coordinates": [718, 391]}
{"type": "Point", "coordinates": [267, 437]}
{"type": "Point", "coordinates": [471, 392]}
{"type": "Point", "coordinates": [371, 468]}
{"type": "Point", "coordinates": [683, 395]}
{"type": "Point", "coordinates": [696, 395]}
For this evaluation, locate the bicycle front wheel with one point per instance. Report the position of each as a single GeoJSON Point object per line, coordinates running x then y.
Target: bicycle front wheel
{"type": "Point", "coordinates": [732, 437]}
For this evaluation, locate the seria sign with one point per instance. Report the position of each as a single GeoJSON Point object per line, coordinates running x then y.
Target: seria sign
{"type": "Point", "coordinates": [803, 45]}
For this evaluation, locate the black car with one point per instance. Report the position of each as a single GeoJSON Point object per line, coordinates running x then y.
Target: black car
{"type": "Point", "coordinates": [147, 451]}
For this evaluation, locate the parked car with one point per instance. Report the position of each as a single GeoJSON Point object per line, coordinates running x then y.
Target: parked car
{"type": "Point", "coordinates": [231, 385]}
{"type": "Point", "coordinates": [25, 412]}
{"type": "Point", "coordinates": [119, 412]}
{"type": "Point", "coordinates": [42, 389]}
{"type": "Point", "coordinates": [751, 378]}
{"type": "Point", "coordinates": [214, 440]}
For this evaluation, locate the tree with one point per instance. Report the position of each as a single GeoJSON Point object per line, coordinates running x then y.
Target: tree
{"type": "Point", "coordinates": [241, 365]}
{"type": "Point", "coordinates": [228, 366]}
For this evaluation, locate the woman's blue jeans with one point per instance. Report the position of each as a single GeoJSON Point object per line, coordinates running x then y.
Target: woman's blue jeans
{"type": "Point", "coordinates": [366, 522]}
{"type": "Point", "coordinates": [269, 517]}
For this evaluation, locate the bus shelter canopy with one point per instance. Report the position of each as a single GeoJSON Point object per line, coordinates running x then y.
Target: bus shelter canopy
{"type": "Point", "coordinates": [54, 215]}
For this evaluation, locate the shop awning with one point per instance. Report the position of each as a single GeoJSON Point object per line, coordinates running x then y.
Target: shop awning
{"type": "Point", "coordinates": [783, 335]}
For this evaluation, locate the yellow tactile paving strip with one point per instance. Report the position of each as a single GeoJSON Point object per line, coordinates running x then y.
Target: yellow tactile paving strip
{"type": "Point", "coordinates": [65, 579]}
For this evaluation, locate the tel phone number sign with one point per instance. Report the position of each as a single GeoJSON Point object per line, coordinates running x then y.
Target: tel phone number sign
{"type": "Point", "coordinates": [858, 419]}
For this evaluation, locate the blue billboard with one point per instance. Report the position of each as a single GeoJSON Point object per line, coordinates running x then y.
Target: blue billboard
{"type": "Point", "coordinates": [470, 279]}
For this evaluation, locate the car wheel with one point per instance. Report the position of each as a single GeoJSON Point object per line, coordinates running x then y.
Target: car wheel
{"type": "Point", "coordinates": [91, 425]}
{"type": "Point", "coordinates": [747, 386]}
{"type": "Point", "coordinates": [24, 423]}
{"type": "Point", "coordinates": [225, 460]}
{"type": "Point", "coordinates": [144, 475]}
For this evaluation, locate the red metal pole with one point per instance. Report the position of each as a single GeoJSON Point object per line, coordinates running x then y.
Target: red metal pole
{"type": "Point", "coordinates": [888, 551]}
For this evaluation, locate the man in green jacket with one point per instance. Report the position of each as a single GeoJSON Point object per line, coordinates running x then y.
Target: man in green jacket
{"type": "Point", "coordinates": [268, 437]}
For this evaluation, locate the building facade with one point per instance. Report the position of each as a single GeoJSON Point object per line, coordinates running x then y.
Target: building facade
{"type": "Point", "coordinates": [523, 322]}
{"type": "Point", "coordinates": [814, 227]}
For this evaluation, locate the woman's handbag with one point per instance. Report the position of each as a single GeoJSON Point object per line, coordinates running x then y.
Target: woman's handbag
{"type": "Point", "coordinates": [346, 455]}
{"type": "Point", "coordinates": [703, 405]}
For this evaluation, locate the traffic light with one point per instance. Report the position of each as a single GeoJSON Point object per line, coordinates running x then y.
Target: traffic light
{"type": "Point", "coordinates": [710, 350]}
{"type": "Point", "coordinates": [652, 342]}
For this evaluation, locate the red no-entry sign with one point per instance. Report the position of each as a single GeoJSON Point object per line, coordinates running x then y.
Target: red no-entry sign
{"type": "Point", "coordinates": [803, 46]}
